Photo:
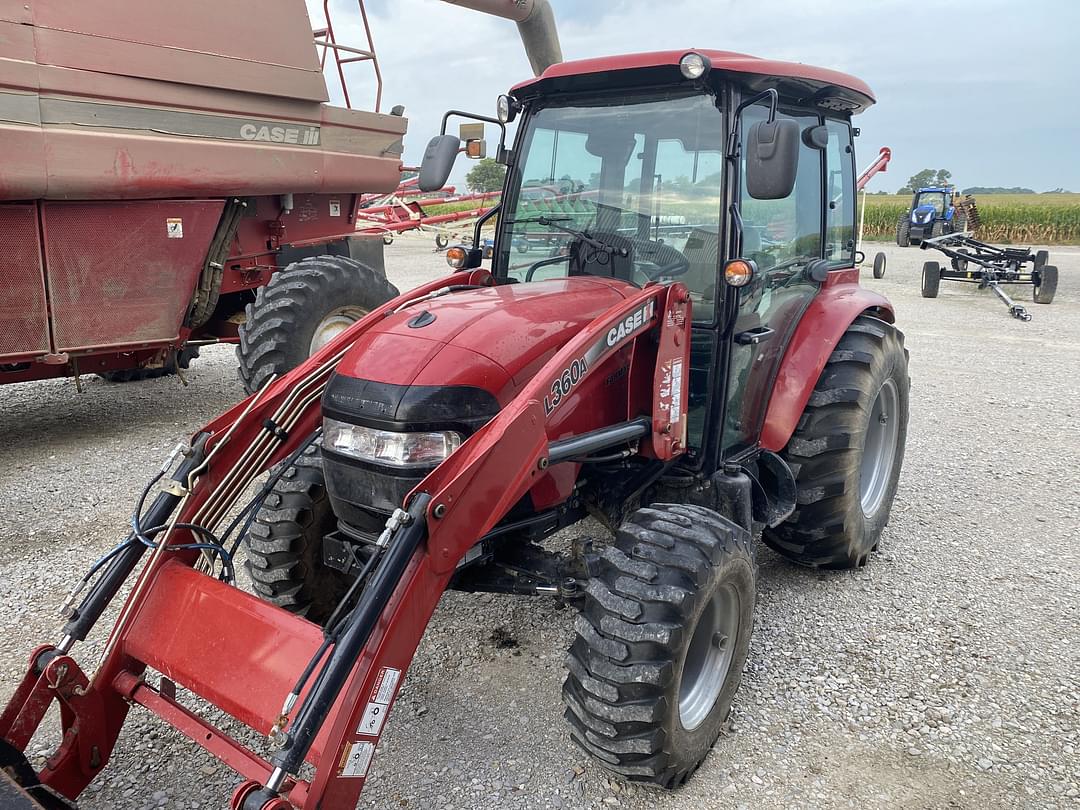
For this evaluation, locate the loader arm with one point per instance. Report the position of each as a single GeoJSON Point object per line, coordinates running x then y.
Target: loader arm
{"type": "Point", "coordinates": [244, 655]}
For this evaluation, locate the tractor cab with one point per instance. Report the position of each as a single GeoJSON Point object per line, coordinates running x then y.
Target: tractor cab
{"type": "Point", "coordinates": [728, 174]}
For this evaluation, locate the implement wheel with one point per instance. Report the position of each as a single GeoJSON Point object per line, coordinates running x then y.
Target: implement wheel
{"type": "Point", "coordinates": [879, 265]}
{"type": "Point", "coordinates": [303, 308]}
{"type": "Point", "coordinates": [931, 279]}
{"type": "Point", "coordinates": [284, 544]}
{"type": "Point", "coordinates": [661, 643]}
{"type": "Point", "coordinates": [1046, 284]}
{"type": "Point", "coordinates": [847, 451]}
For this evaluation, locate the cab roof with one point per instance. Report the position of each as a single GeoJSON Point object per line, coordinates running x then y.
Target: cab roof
{"type": "Point", "coordinates": [793, 80]}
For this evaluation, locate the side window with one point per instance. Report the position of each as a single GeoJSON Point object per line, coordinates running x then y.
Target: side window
{"type": "Point", "coordinates": [784, 234]}
{"type": "Point", "coordinates": [840, 195]}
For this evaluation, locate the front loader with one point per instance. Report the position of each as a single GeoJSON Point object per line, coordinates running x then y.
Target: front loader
{"type": "Point", "coordinates": [693, 363]}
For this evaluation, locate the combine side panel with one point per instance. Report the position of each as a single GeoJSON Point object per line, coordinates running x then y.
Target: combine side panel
{"type": "Point", "coordinates": [122, 274]}
{"type": "Point", "coordinates": [23, 310]}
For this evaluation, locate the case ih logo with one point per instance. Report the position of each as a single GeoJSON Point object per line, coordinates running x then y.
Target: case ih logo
{"type": "Point", "coordinates": [631, 323]}
{"type": "Point", "coordinates": [303, 136]}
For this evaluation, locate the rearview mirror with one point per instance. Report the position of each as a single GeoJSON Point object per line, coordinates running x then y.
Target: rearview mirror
{"type": "Point", "coordinates": [772, 159]}
{"type": "Point", "coordinates": [439, 157]}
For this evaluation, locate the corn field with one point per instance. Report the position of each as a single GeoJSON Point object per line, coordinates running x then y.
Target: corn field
{"type": "Point", "coordinates": [1038, 219]}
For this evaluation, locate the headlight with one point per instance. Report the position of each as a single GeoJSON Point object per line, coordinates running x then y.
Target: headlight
{"type": "Point", "coordinates": [388, 446]}
{"type": "Point", "coordinates": [505, 109]}
{"type": "Point", "coordinates": [694, 65]}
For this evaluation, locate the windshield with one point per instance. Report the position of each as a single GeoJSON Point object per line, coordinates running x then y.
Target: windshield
{"type": "Point", "coordinates": [630, 190]}
{"type": "Point", "coordinates": [934, 198]}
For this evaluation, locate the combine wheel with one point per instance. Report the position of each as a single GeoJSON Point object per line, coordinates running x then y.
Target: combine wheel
{"type": "Point", "coordinates": [847, 450]}
{"type": "Point", "coordinates": [1041, 258]}
{"type": "Point", "coordinates": [931, 279]}
{"type": "Point", "coordinates": [879, 265]}
{"type": "Point", "coordinates": [182, 359]}
{"type": "Point", "coordinates": [1047, 286]}
{"type": "Point", "coordinates": [303, 308]}
{"type": "Point", "coordinates": [903, 230]}
{"type": "Point", "coordinates": [661, 643]}
{"type": "Point", "coordinates": [284, 544]}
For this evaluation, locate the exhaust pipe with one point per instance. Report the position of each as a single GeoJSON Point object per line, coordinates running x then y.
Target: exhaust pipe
{"type": "Point", "coordinates": [536, 25]}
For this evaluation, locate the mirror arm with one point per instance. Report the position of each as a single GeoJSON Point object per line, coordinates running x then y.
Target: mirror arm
{"type": "Point", "coordinates": [475, 117]}
{"type": "Point", "coordinates": [736, 230]}
{"type": "Point", "coordinates": [480, 224]}
{"type": "Point", "coordinates": [733, 139]}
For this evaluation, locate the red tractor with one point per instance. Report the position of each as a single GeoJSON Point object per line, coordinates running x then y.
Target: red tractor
{"type": "Point", "coordinates": [697, 366]}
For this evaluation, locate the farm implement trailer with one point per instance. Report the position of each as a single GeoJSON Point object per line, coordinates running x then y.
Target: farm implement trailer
{"type": "Point", "coordinates": [990, 267]}
{"type": "Point", "coordinates": [691, 392]}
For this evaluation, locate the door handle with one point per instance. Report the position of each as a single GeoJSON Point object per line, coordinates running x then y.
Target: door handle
{"type": "Point", "coordinates": [752, 337]}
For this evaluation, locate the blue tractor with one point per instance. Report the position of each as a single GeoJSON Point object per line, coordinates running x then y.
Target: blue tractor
{"type": "Point", "coordinates": [935, 211]}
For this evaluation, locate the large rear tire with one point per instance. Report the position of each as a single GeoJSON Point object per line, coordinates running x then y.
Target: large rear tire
{"type": "Point", "coordinates": [903, 230]}
{"type": "Point", "coordinates": [1047, 286]}
{"type": "Point", "coordinates": [301, 309]}
{"type": "Point", "coordinates": [847, 451]}
{"type": "Point", "coordinates": [284, 544]}
{"type": "Point", "coordinates": [182, 359]}
{"type": "Point", "coordinates": [661, 643]}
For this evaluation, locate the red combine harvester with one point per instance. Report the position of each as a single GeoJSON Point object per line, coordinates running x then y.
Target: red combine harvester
{"type": "Point", "coordinates": [153, 176]}
{"type": "Point", "coordinates": [693, 388]}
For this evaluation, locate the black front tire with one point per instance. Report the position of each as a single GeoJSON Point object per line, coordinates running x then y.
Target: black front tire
{"type": "Point", "coordinates": [1042, 258]}
{"type": "Point", "coordinates": [182, 359]}
{"type": "Point", "coordinates": [830, 527]}
{"type": "Point", "coordinates": [284, 544]}
{"type": "Point", "coordinates": [931, 279]}
{"type": "Point", "coordinates": [277, 335]}
{"type": "Point", "coordinates": [879, 265]}
{"type": "Point", "coordinates": [1047, 284]}
{"type": "Point", "coordinates": [633, 666]}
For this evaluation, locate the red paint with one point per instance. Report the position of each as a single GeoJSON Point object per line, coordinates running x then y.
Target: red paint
{"type": "Point", "coordinates": [840, 301]}
{"type": "Point", "coordinates": [722, 61]}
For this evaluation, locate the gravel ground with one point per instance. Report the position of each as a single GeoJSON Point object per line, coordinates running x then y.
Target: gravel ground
{"type": "Point", "coordinates": [945, 674]}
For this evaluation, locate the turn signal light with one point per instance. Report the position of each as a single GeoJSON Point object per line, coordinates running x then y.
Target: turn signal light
{"type": "Point", "coordinates": [457, 256]}
{"type": "Point", "coordinates": [739, 272]}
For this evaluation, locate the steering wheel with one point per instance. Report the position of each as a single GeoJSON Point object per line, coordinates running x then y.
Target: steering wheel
{"type": "Point", "coordinates": [668, 261]}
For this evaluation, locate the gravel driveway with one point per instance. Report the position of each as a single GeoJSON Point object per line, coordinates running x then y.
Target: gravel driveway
{"type": "Point", "coordinates": [944, 674]}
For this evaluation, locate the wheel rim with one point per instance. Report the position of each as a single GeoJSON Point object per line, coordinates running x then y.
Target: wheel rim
{"type": "Point", "coordinates": [879, 450]}
{"type": "Point", "coordinates": [335, 322]}
{"type": "Point", "coordinates": [708, 658]}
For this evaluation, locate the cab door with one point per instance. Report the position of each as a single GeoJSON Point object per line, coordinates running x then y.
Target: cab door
{"type": "Point", "coordinates": [785, 237]}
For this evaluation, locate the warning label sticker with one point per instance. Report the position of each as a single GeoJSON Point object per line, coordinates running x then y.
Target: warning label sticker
{"type": "Point", "coordinates": [335, 208]}
{"type": "Point", "coordinates": [373, 719]}
{"type": "Point", "coordinates": [676, 391]}
{"type": "Point", "coordinates": [174, 228]}
{"type": "Point", "coordinates": [355, 759]}
{"type": "Point", "coordinates": [378, 707]}
{"type": "Point", "coordinates": [385, 685]}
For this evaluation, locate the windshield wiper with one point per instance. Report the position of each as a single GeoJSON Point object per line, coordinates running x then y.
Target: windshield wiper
{"type": "Point", "coordinates": [553, 222]}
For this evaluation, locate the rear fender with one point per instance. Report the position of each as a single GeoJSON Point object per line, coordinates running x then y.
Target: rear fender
{"type": "Point", "coordinates": [840, 301]}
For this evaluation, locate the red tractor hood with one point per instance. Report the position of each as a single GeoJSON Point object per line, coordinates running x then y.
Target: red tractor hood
{"type": "Point", "coordinates": [494, 338]}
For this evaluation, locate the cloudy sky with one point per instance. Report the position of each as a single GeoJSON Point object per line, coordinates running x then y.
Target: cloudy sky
{"type": "Point", "coordinates": [989, 89]}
